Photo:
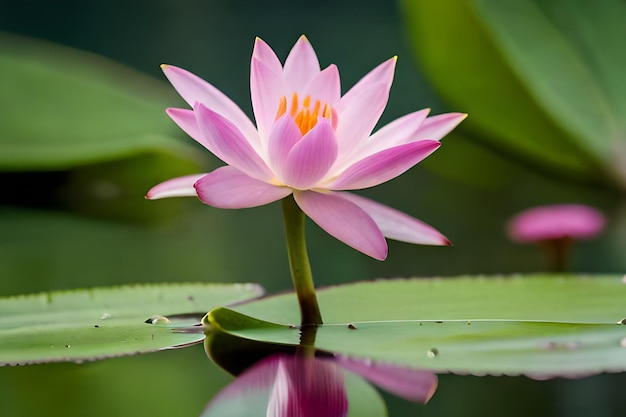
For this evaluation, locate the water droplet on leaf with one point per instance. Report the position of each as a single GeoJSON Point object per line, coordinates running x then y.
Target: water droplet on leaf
{"type": "Point", "coordinates": [157, 320]}
{"type": "Point", "coordinates": [432, 353]}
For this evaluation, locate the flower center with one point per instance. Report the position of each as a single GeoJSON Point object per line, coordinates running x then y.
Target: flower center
{"type": "Point", "coordinates": [305, 114]}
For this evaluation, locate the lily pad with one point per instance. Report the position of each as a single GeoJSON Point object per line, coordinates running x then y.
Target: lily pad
{"type": "Point", "coordinates": [541, 326]}
{"type": "Point", "coordinates": [74, 326]}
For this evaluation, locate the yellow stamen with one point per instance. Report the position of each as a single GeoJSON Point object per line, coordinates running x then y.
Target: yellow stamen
{"type": "Point", "coordinates": [282, 107]}
{"type": "Point", "coordinates": [327, 112]}
{"type": "Point", "coordinates": [316, 108]}
{"type": "Point", "coordinates": [298, 119]}
{"type": "Point", "coordinates": [294, 104]}
{"type": "Point", "coordinates": [304, 116]}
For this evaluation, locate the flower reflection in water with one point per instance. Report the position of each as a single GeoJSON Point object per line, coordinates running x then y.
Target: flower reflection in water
{"type": "Point", "coordinates": [307, 387]}
{"type": "Point", "coordinates": [292, 385]}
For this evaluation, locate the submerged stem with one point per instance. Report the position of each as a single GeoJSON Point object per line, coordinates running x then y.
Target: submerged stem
{"type": "Point", "coordinates": [306, 348]}
{"type": "Point", "coordinates": [299, 262]}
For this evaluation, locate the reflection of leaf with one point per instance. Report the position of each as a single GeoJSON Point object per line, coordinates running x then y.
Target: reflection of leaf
{"type": "Point", "coordinates": [537, 325]}
{"type": "Point", "coordinates": [106, 322]}
{"type": "Point", "coordinates": [539, 79]}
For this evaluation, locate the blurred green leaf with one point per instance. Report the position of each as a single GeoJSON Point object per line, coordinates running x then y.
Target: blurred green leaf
{"type": "Point", "coordinates": [569, 56]}
{"type": "Point", "coordinates": [117, 189]}
{"type": "Point", "coordinates": [106, 322]}
{"type": "Point", "coordinates": [63, 108]}
{"type": "Point", "coordinates": [527, 88]}
{"type": "Point", "coordinates": [88, 134]}
{"type": "Point", "coordinates": [541, 325]}
{"type": "Point", "coordinates": [468, 163]}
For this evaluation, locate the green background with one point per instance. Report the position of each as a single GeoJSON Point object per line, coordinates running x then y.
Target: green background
{"type": "Point", "coordinates": [58, 232]}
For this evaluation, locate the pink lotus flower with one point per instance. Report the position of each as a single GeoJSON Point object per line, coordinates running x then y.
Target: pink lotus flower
{"type": "Point", "coordinates": [309, 141]}
{"type": "Point", "coordinates": [556, 228]}
{"type": "Point", "coordinates": [574, 221]}
{"type": "Point", "coordinates": [289, 386]}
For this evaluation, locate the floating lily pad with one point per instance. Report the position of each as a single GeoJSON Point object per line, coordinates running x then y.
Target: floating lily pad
{"type": "Point", "coordinates": [541, 326]}
{"type": "Point", "coordinates": [75, 326]}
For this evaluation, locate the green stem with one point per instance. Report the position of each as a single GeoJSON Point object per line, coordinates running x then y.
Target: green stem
{"type": "Point", "coordinates": [557, 253]}
{"type": "Point", "coordinates": [299, 263]}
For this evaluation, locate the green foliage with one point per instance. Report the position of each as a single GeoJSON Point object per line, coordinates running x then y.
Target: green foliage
{"type": "Point", "coordinates": [106, 322]}
{"type": "Point", "coordinates": [541, 326]}
{"type": "Point", "coordinates": [539, 79]}
{"type": "Point", "coordinates": [99, 125]}
{"type": "Point", "coordinates": [105, 128]}
{"type": "Point", "coordinates": [63, 108]}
